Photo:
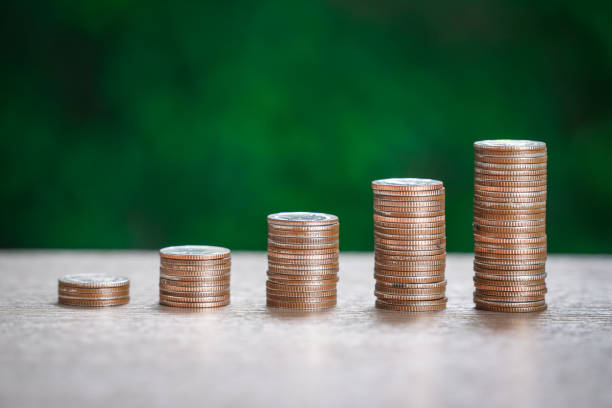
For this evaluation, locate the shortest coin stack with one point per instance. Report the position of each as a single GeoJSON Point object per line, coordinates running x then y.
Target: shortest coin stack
{"type": "Point", "coordinates": [194, 276]}
{"type": "Point", "coordinates": [302, 260]}
{"type": "Point", "coordinates": [93, 290]}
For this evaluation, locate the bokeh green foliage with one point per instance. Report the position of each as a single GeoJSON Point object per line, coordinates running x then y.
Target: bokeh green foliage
{"type": "Point", "coordinates": [140, 124]}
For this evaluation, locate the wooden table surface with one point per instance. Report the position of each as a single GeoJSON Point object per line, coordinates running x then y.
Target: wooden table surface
{"type": "Point", "coordinates": [143, 354]}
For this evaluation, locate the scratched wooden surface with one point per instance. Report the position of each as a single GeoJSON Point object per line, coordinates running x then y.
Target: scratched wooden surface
{"type": "Point", "coordinates": [143, 354]}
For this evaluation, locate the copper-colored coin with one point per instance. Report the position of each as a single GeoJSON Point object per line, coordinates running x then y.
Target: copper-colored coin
{"type": "Point", "coordinates": [509, 283]}
{"type": "Point", "coordinates": [194, 289]}
{"type": "Point", "coordinates": [284, 295]}
{"type": "Point", "coordinates": [310, 281]}
{"type": "Point", "coordinates": [302, 298]}
{"type": "Point", "coordinates": [409, 260]}
{"type": "Point", "coordinates": [412, 266]}
{"type": "Point", "coordinates": [212, 281]}
{"type": "Point", "coordinates": [409, 308]}
{"type": "Point", "coordinates": [310, 287]}
{"type": "Point", "coordinates": [400, 299]}
{"type": "Point", "coordinates": [192, 270]}
{"type": "Point", "coordinates": [509, 193]}
{"type": "Point", "coordinates": [93, 303]}
{"type": "Point", "coordinates": [488, 205]}
{"type": "Point", "coordinates": [408, 220]}
{"type": "Point", "coordinates": [509, 166]}
{"type": "Point", "coordinates": [193, 299]}
{"type": "Point", "coordinates": [510, 160]}
{"type": "Point", "coordinates": [302, 263]}
{"type": "Point", "coordinates": [511, 299]}
{"type": "Point", "coordinates": [99, 296]}
{"type": "Point", "coordinates": [410, 237]}
{"type": "Point", "coordinates": [409, 199]}
{"type": "Point", "coordinates": [509, 184]}
{"type": "Point", "coordinates": [508, 304]}
{"type": "Point", "coordinates": [329, 241]}
{"type": "Point", "coordinates": [490, 293]}
{"type": "Point", "coordinates": [502, 241]}
{"type": "Point", "coordinates": [192, 305]}
{"type": "Point", "coordinates": [509, 223]}
{"type": "Point", "coordinates": [511, 309]}
{"type": "Point", "coordinates": [93, 291]}
{"type": "Point", "coordinates": [300, 305]}
{"type": "Point", "coordinates": [488, 251]}
{"type": "Point", "coordinates": [194, 252]}
{"type": "Point", "coordinates": [480, 211]}
{"type": "Point", "coordinates": [386, 286]}
{"type": "Point", "coordinates": [417, 232]}
{"type": "Point", "coordinates": [509, 173]}
{"type": "Point", "coordinates": [434, 293]}
{"type": "Point", "coordinates": [517, 288]}
{"type": "Point", "coordinates": [408, 274]}
{"type": "Point", "coordinates": [410, 214]}
{"type": "Point", "coordinates": [302, 218]}
{"type": "Point", "coordinates": [306, 228]}
{"type": "Point", "coordinates": [90, 298]}
{"type": "Point", "coordinates": [195, 278]}
{"type": "Point", "coordinates": [195, 273]}
{"type": "Point", "coordinates": [408, 279]}
{"type": "Point", "coordinates": [402, 243]}
{"type": "Point", "coordinates": [199, 294]}
{"type": "Point", "coordinates": [407, 184]}
{"type": "Point", "coordinates": [401, 255]}
{"type": "Point", "coordinates": [510, 278]}
{"type": "Point", "coordinates": [304, 276]}
{"type": "Point", "coordinates": [416, 204]}
{"type": "Point", "coordinates": [491, 229]}
{"type": "Point", "coordinates": [195, 263]}
{"type": "Point", "coordinates": [311, 250]}
{"type": "Point", "coordinates": [93, 281]}
{"type": "Point", "coordinates": [329, 267]}
{"type": "Point", "coordinates": [301, 256]}
{"type": "Point", "coordinates": [510, 269]}
{"type": "Point", "coordinates": [408, 226]}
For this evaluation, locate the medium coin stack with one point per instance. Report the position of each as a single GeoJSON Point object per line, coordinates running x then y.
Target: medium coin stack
{"type": "Point", "coordinates": [302, 260]}
{"type": "Point", "coordinates": [510, 225]}
{"type": "Point", "coordinates": [93, 290]}
{"type": "Point", "coordinates": [194, 276]}
{"type": "Point", "coordinates": [410, 244]}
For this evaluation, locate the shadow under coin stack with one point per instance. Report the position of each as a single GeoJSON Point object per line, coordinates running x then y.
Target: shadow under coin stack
{"type": "Point", "coordinates": [194, 276]}
{"type": "Point", "coordinates": [302, 260]}
{"type": "Point", "coordinates": [510, 225]}
{"type": "Point", "coordinates": [93, 290]}
{"type": "Point", "coordinates": [410, 244]}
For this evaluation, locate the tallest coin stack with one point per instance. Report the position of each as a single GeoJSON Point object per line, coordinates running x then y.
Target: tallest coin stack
{"type": "Point", "coordinates": [510, 225]}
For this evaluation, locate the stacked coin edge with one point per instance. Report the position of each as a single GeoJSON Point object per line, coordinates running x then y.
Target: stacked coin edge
{"type": "Point", "coordinates": [303, 264]}
{"type": "Point", "coordinates": [194, 276]}
{"type": "Point", "coordinates": [410, 244]}
{"type": "Point", "coordinates": [510, 187]}
{"type": "Point", "coordinates": [91, 290]}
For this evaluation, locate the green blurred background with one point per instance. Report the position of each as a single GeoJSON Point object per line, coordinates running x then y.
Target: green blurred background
{"type": "Point", "coordinates": [140, 124]}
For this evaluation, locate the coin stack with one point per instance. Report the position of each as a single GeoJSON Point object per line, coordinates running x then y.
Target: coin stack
{"type": "Point", "coordinates": [302, 260]}
{"type": "Point", "coordinates": [510, 225]}
{"type": "Point", "coordinates": [410, 244]}
{"type": "Point", "coordinates": [93, 290]}
{"type": "Point", "coordinates": [194, 276]}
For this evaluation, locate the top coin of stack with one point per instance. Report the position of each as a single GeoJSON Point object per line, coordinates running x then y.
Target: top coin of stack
{"type": "Point", "coordinates": [410, 244]}
{"type": "Point", "coordinates": [302, 260]}
{"type": "Point", "coordinates": [194, 276]}
{"type": "Point", "coordinates": [510, 225]}
{"type": "Point", "coordinates": [93, 290]}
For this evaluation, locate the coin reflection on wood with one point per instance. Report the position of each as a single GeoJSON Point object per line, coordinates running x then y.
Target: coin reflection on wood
{"type": "Point", "coordinates": [410, 244]}
{"type": "Point", "coordinates": [194, 276]}
{"type": "Point", "coordinates": [93, 290]}
{"type": "Point", "coordinates": [302, 260]}
{"type": "Point", "coordinates": [510, 225]}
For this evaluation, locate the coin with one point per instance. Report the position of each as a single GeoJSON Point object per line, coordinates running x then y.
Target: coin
{"type": "Point", "coordinates": [93, 281]}
{"type": "Point", "coordinates": [193, 305]}
{"type": "Point", "coordinates": [194, 252]}
{"type": "Point", "coordinates": [302, 218]}
{"type": "Point", "coordinates": [300, 305]}
{"type": "Point", "coordinates": [406, 184]}
{"type": "Point", "coordinates": [93, 303]}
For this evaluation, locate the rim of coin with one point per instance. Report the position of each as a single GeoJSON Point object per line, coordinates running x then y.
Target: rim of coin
{"type": "Point", "coordinates": [93, 303]}
{"type": "Point", "coordinates": [194, 252]}
{"type": "Point", "coordinates": [406, 308]}
{"type": "Point", "coordinates": [407, 184]}
{"type": "Point", "coordinates": [517, 288]}
{"type": "Point", "coordinates": [194, 289]}
{"type": "Point", "coordinates": [194, 299]}
{"type": "Point", "coordinates": [511, 299]}
{"type": "Point", "coordinates": [93, 281]}
{"type": "Point", "coordinates": [519, 159]}
{"type": "Point", "coordinates": [510, 278]}
{"type": "Point", "coordinates": [281, 294]}
{"type": "Point", "coordinates": [408, 279]}
{"type": "Point", "coordinates": [509, 304]}
{"type": "Point", "coordinates": [509, 144]}
{"type": "Point", "coordinates": [302, 218]}
{"type": "Point", "coordinates": [313, 287]}
{"type": "Point", "coordinates": [408, 298]}
{"type": "Point", "coordinates": [409, 220]}
{"type": "Point", "coordinates": [93, 297]}
{"type": "Point", "coordinates": [510, 294]}
{"type": "Point", "coordinates": [512, 309]}
{"type": "Point", "coordinates": [186, 305]}
{"type": "Point", "coordinates": [410, 214]}
{"type": "Point", "coordinates": [212, 291]}
{"type": "Point", "coordinates": [297, 306]}
{"type": "Point", "coordinates": [79, 290]}
{"type": "Point", "coordinates": [196, 278]}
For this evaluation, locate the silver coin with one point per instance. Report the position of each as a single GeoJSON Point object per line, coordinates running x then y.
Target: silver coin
{"type": "Point", "coordinates": [204, 251]}
{"type": "Point", "coordinates": [94, 280]}
{"type": "Point", "coordinates": [416, 182]}
{"type": "Point", "coordinates": [510, 144]}
{"type": "Point", "coordinates": [301, 217]}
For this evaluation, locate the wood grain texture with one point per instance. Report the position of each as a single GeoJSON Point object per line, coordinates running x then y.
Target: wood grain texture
{"type": "Point", "coordinates": [143, 354]}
